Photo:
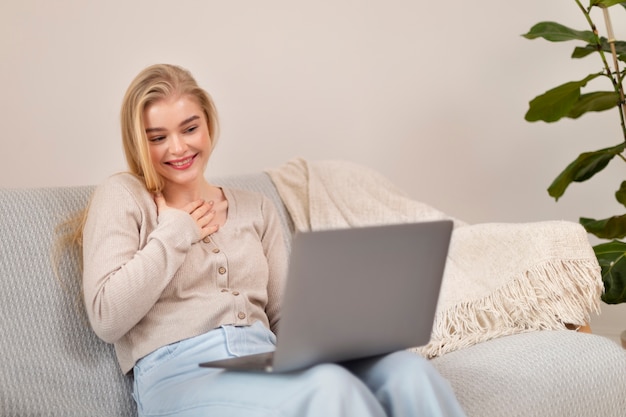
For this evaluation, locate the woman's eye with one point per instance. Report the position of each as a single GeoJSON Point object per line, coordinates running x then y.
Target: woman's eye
{"type": "Point", "coordinates": [191, 129]}
{"type": "Point", "coordinates": [156, 138]}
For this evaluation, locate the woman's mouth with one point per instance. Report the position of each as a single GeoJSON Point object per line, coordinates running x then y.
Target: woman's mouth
{"type": "Point", "coordinates": [182, 163]}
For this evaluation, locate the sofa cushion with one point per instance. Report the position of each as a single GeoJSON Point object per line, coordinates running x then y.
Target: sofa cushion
{"type": "Point", "coordinates": [542, 373]}
{"type": "Point", "coordinates": [51, 362]}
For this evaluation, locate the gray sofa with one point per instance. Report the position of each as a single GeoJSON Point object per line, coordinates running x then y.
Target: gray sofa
{"type": "Point", "coordinates": [53, 365]}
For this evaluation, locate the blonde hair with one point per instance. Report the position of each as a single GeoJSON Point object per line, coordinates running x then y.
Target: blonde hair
{"type": "Point", "coordinates": [69, 243]}
{"type": "Point", "coordinates": [150, 85]}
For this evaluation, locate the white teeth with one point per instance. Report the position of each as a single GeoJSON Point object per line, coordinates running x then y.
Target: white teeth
{"type": "Point", "coordinates": [181, 163]}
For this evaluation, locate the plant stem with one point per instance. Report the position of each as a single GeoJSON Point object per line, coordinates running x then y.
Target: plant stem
{"type": "Point", "coordinates": [617, 84]}
{"type": "Point", "coordinates": [618, 75]}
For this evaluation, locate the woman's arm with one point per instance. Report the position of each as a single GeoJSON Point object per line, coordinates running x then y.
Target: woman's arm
{"type": "Point", "coordinates": [125, 271]}
{"type": "Point", "coordinates": [277, 258]}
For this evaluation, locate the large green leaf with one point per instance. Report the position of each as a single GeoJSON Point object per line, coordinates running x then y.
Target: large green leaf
{"type": "Point", "coordinates": [611, 228]}
{"type": "Point", "coordinates": [597, 101]}
{"type": "Point", "coordinates": [584, 167]}
{"type": "Point", "coordinates": [612, 259]}
{"type": "Point", "coordinates": [556, 103]}
{"type": "Point", "coordinates": [556, 32]}
{"type": "Point", "coordinates": [606, 3]}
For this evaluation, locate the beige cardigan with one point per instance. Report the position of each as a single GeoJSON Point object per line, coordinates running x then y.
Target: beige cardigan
{"type": "Point", "coordinates": [149, 281]}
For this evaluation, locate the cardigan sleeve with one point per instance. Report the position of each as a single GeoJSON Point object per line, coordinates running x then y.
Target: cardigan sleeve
{"type": "Point", "coordinates": [277, 258]}
{"type": "Point", "coordinates": [126, 265]}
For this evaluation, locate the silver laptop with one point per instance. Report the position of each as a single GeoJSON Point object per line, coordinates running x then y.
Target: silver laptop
{"type": "Point", "coordinates": [355, 293]}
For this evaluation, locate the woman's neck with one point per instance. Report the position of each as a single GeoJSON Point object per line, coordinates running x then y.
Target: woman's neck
{"type": "Point", "coordinates": [179, 196]}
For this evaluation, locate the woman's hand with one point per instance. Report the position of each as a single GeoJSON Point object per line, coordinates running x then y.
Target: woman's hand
{"type": "Point", "coordinates": [201, 211]}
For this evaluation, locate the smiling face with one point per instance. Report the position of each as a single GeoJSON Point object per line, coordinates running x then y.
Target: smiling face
{"type": "Point", "coordinates": [179, 142]}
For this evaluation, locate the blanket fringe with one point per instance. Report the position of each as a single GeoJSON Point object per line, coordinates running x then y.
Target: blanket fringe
{"type": "Point", "coordinates": [544, 297]}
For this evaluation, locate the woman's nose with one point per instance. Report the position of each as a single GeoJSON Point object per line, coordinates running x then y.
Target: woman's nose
{"type": "Point", "coordinates": [177, 145]}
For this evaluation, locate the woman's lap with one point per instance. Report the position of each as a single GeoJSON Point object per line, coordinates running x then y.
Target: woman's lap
{"type": "Point", "coordinates": [170, 382]}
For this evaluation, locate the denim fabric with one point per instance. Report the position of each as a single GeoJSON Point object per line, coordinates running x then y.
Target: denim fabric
{"type": "Point", "coordinates": [169, 382]}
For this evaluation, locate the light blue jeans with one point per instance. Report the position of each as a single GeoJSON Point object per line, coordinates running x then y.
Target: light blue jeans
{"type": "Point", "coordinates": [169, 382]}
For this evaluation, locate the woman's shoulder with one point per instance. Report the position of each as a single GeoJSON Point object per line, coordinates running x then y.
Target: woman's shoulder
{"type": "Point", "coordinates": [246, 198]}
{"type": "Point", "coordinates": [123, 186]}
{"type": "Point", "coordinates": [249, 203]}
{"type": "Point", "coordinates": [123, 180]}
{"type": "Point", "coordinates": [242, 193]}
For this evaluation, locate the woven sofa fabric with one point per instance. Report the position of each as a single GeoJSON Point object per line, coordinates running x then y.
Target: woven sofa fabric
{"type": "Point", "coordinates": [51, 364]}
{"type": "Point", "coordinates": [544, 373]}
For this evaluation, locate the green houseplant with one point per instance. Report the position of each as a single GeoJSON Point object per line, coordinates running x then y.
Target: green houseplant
{"type": "Point", "coordinates": [568, 100]}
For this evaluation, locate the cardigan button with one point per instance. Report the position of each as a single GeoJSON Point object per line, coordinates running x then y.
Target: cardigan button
{"type": "Point", "coordinates": [222, 270]}
{"type": "Point", "coordinates": [241, 315]}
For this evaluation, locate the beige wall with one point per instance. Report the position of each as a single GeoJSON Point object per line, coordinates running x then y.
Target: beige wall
{"type": "Point", "coordinates": [432, 94]}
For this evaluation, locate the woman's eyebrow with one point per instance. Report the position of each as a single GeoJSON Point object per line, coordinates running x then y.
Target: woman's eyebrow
{"type": "Point", "coordinates": [189, 120]}
{"type": "Point", "coordinates": [184, 122]}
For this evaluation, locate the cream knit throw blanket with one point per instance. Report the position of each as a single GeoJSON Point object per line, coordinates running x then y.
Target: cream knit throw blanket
{"type": "Point", "coordinates": [500, 278]}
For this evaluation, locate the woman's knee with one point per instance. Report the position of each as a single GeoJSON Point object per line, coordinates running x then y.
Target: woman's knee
{"type": "Point", "coordinates": [403, 369]}
{"type": "Point", "coordinates": [338, 392]}
{"type": "Point", "coordinates": [408, 384]}
{"type": "Point", "coordinates": [332, 378]}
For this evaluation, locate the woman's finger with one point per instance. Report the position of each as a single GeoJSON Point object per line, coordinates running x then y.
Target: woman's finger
{"type": "Point", "coordinates": [202, 211]}
{"type": "Point", "coordinates": [193, 206]}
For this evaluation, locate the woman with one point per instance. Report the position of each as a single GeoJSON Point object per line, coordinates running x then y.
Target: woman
{"type": "Point", "coordinates": [178, 271]}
